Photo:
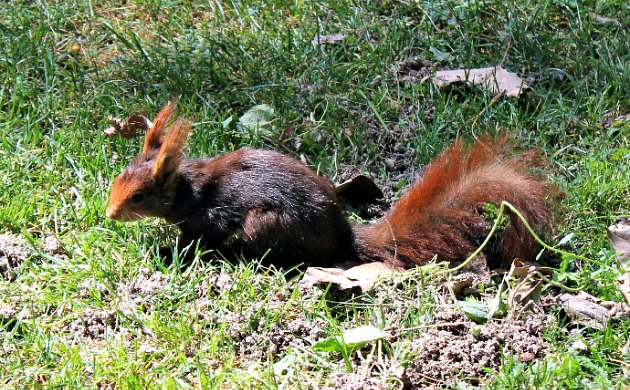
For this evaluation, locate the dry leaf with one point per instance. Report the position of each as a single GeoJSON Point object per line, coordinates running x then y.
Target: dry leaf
{"type": "Point", "coordinates": [618, 310]}
{"type": "Point", "coordinates": [619, 237]}
{"type": "Point", "coordinates": [584, 309]}
{"type": "Point", "coordinates": [624, 285]}
{"type": "Point", "coordinates": [531, 281]}
{"type": "Point", "coordinates": [362, 276]}
{"type": "Point", "coordinates": [359, 190]}
{"type": "Point", "coordinates": [116, 127]}
{"type": "Point", "coordinates": [520, 269]}
{"type": "Point", "coordinates": [128, 128]}
{"type": "Point", "coordinates": [326, 39]}
{"type": "Point", "coordinates": [599, 19]}
{"type": "Point", "coordinates": [472, 279]}
{"type": "Point", "coordinates": [496, 80]}
{"type": "Point", "coordinates": [461, 284]}
{"type": "Point", "coordinates": [528, 290]}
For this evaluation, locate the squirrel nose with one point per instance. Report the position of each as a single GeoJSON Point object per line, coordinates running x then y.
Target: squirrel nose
{"type": "Point", "coordinates": [111, 211]}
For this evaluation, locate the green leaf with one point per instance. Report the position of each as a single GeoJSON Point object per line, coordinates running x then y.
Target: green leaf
{"type": "Point", "coordinates": [475, 311]}
{"type": "Point", "coordinates": [571, 367]}
{"type": "Point", "coordinates": [329, 344]}
{"type": "Point", "coordinates": [282, 367]}
{"type": "Point", "coordinates": [441, 56]}
{"type": "Point", "coordinates": [498, 307]}
{"type": "Point", "coordinates": [362, 335]}
{"type": "Point", "coordinates": [351, 339]}
{"type": "Point", "coordinates": [257, 118]}
{"type": "Point", "coordinates": [565, 239]}
{"type": "Point", "coordinates": [227, 122]}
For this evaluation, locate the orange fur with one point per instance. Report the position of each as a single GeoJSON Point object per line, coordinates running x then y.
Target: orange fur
{"type": "Point", "coordinates": [171, 153]}
{"type": "Point", "coordinates": [153, 139]}
{"type": "Point", "coordinates": [440, 216]}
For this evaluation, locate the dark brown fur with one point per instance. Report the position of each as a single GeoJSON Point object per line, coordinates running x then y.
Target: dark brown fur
{"type": "Point", "coordinates": [256, 202]}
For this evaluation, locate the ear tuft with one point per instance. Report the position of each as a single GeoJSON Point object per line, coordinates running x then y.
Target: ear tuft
{"type": "Point", "coordinates": [171, 154]}
{"type": "Point", "coordinates": [154, 135]}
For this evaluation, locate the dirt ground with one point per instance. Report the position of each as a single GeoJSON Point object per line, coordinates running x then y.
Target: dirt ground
{"type": "Point", "coordinates": [449, 349]}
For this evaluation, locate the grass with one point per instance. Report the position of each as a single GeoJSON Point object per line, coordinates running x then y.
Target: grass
{"type": "Point", "coordinates": [66, 67]}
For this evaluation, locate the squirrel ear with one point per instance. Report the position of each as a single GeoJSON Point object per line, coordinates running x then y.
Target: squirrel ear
{"type": "Point", "coordinates": [166, 168]}
{"type": "Point", "coordinates": [154, 135]}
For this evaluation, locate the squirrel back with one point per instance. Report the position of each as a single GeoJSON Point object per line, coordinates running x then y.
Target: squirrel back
{"type": "Point", "coordinates": [264, 204]}
{"type": "Point", "coordinates": [443, 213]}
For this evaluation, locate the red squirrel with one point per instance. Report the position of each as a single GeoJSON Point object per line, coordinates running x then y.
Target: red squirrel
{"type": "Point", "coordinates": [259, 202]}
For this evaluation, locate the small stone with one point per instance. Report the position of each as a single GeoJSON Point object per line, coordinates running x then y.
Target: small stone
{"type": "Point", "coordinates": [527, 357]}
{"type": "Point", "coordinates": [52, 245]}
{"type": "Point", "coordinates": [579, 345]}
{"type": "Point", "coordinates": [7, 311]}
{"type": "Point", "coordinates": [390, 164]}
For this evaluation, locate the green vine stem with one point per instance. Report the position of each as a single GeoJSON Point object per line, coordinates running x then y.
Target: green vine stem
{"type": "Point", "coordinates": [520, 216]}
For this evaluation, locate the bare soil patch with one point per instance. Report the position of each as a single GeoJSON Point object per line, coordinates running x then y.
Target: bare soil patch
{"type": "Point", "coordinates": [14, 250]}
{"type": "Point", "coordinates": [466, 351]}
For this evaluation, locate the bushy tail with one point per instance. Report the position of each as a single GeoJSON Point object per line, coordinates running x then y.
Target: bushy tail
{"type": "Point", "coordinates": [442, 214]}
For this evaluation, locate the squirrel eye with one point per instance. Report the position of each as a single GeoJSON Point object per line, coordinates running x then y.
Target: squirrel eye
{"type": "Point", "coordinates": [137, 197]}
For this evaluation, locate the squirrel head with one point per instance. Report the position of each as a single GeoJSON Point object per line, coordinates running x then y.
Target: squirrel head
{"type": "Point", "coordinates": [147, 187]}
